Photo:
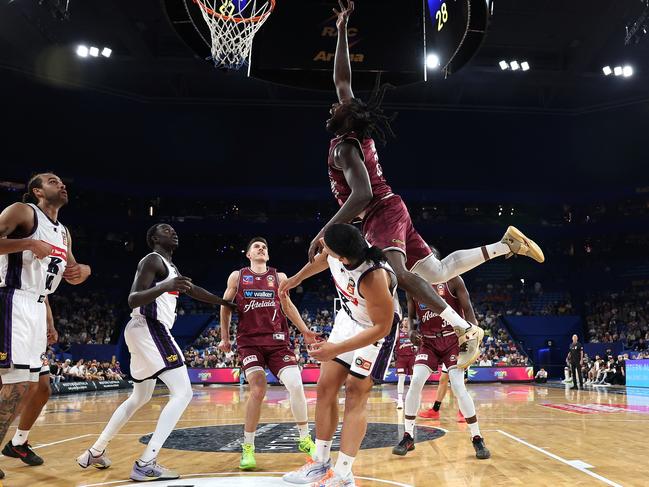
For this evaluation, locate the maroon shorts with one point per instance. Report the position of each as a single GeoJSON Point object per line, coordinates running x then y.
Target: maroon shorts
{"type": "Point", "coordinates": [274, 359]}
{"type": "Point", "coordinates": [404, 364]}
{"type": "Point", "coordinates": [389, 227]}
{"type": "Point", "coordinates": [436, 351]}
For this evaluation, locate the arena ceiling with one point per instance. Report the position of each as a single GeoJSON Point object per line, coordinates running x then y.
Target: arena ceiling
{"type": "Point", "coordinates": [567, 42]}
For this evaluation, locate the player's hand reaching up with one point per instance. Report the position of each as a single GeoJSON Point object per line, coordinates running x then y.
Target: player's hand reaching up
{"type": "Point", "coordinates": [317, 244]}
{"type": "Point", "coordinates": [344, 13]}
{"type": "Point", "coordinates": [179, 284]}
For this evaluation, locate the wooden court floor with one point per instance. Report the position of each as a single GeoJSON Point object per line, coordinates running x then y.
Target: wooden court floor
{"type": "Point", "coordinates": [544, 436]}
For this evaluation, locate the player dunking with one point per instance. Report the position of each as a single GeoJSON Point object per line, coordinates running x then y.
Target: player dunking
{"type": "Point", "coordinates": [263, 342]}
{"type": "Point", "coordinates": [35, 254]}
{"type": "Point", "coordinates": [154, 353]}
{"type": "Point", "coordinates": [438, 345]}
{"type": "Point", "coordinates": [404, 354]}
{"type": "Point", "coordinates": [359, 186]}
{"type": "Point", "coordinates": [355, 351]}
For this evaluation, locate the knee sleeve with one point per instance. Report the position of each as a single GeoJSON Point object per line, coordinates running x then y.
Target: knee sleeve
{"type": "Point", "coordinates": [456, 377]}
{"type": "Point", "coordinates": [292, 380]}
{"type": "Point", "coordinates": [418, 380]}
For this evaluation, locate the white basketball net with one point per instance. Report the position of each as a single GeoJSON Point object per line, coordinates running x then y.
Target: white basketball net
{"type": "Point", "coordinates": [233, 25]}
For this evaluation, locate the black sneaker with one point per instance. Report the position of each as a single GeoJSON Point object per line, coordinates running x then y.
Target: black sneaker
{"type": "Point", "coordinates": [24, 452]}
{"type": "Point", "coordinates": [2, 474]}
{"type": "Point", "coordinates": [405, 445]}
{"type": "Point", "coordinates": [481, 451]}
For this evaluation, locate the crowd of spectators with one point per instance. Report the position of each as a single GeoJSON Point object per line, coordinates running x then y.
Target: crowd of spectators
{"type": "Point", "coordinates": [621, 317]}
{"type": "Point", "coordinates": [84, 370]}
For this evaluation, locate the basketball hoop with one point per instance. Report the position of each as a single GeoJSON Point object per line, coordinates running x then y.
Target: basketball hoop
{"type": "Point", "coordinates": [233, 25]}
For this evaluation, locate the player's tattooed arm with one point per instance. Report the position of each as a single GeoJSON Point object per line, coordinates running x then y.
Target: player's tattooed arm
{"type": "Point", "coordinates": [226, 312]}
{"type": "Point", "coordinates": [149, 270]}
{"type": "Point", "coordinates": [342, 64]}
{"type": "Point", "coordinates": [348, 158]}
{"type": "Point", "coordinates": [458, 288]}
{"type": "Point", "coordinates": [200, 294]}
{"type": "Point", "coordinates": [75, 273]}
{"type": "Point", "coordinates": [19, 219]}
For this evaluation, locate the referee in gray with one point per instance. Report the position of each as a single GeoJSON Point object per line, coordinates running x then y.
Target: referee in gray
{"type": "Point", "coordinates": [574, 358]}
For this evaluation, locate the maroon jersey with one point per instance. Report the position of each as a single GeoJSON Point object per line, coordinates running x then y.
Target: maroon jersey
{"type": "Point", "coordinates": [430, 322]}
{"type": "Point", "coordinates": [404, 347]}
{"type": "Point", "coordinates": [262, 322]}
{"type": "Point", "coordinates": [339, 186]}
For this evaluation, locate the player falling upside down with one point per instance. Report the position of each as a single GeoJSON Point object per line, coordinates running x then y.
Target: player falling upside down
{"type": "Point", "coordinates": [154, 353]}
{"type": "Point", "coordinates": [404, 353]}
{"type": "Point", "coordinates": [355, 351]}
{"type": "Point", "coordinates": [439, 345]}
{"type": "Point", "coordinates": [358, 184]}
{"type": "Point", "coordinates": [263, 342]}
{"type": "Point", "coordinates": [35, 254]}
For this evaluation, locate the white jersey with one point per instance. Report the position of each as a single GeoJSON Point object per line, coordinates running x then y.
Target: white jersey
{"type": "Point", "coordinates": [163, 309]}
{"type": "Point", "coordinates": [22, 270]}
{"type": "Point", "coordinates": [347, 284]}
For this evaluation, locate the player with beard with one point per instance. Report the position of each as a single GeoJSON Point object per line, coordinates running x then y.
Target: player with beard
{"type": "Point", "coordinates": [35, 254]}
{"type": "Point", "coordinates": [154, 353]}
{"type": "Point", "coordinates": [263, 342]}
{"type": "Point", "coordinates": [360, 188]}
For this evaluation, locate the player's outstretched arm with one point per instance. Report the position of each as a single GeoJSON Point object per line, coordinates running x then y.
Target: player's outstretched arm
{"type": "Point", "coordinates": [152, 269]}
{"type": "Point", "coordinates": [458, 288]}
{"type": "Point", "coordinates": [75, 273]}
{"type": "Point", "coordinates": [348, 159]}
{"type": "Point", "coordinates": [342, 64]}
{"type": "Point", "coordinates": [380, 308]}
{"type": "Point", "coordinates": [313, 267]}
{"type": "Point", "coordinates": [201, 294]}
{"type": "Point", "coordinates": [226, 312]}
{"type": "Point", "coordinates": [20, 216]}
{"type": "Point", "coordinates": [415, 336]}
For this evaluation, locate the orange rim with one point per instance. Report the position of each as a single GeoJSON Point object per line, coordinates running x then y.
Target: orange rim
{"type": "Point", "coordinates": [227, 18]}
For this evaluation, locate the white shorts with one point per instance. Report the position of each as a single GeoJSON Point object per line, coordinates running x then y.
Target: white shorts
{"type": "Point", "coordinates": [153, 349]}
{"type": "Point", "coordinates": [372, 359]}
{"type": "Point", "coordinates": [23, 335]}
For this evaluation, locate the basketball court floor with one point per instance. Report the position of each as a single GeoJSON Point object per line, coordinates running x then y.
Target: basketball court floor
{"type": "Point", "coordinates": [537, 436]}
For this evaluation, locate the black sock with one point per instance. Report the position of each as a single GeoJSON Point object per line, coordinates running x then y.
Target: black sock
{"type": "Point", "coordinates": [437, 405]}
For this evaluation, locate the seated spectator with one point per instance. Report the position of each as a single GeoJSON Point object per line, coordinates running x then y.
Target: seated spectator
{"type": "Point", "coordinates": [541, 376]}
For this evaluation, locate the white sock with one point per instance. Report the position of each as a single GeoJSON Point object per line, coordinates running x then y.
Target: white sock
{"type": "Point", "coordinates": [141, 394]}
{"type": "Point", "coordinates": [410, 426]}
{"type": "Point", "coordinates": [400, 397]}
{"type": "Point", "coordinates": [180, 395]}
{"type": "Point", "coordinates": [401, 383]}
{"type": "Point", "coordinates": [20, 437]}
{"type": "Point", "coordinates": [450, 315]}
{"type": "Point", "coordinates": [303, 430]}
{"type": "Point", "coordinates": [474, 429]}
{"type": "Point", "coordinates": [344, 465]}
{"type": "Point", "coordinates": [249, 438]}
{"type": "Point", "coordinates": [322, 451]}
{"type": "Point", "coordinates": [497, 249]}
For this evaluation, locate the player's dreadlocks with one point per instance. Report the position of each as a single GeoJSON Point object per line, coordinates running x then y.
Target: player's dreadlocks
{"type": "Point", "coordinates": [368, 119]}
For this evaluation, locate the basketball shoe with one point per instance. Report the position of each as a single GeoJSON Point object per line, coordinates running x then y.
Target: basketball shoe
{"type": "Point", "coordinates": [429, 414]}
{"type": "Point", "coordinates": [308, 473]}
{"type": "Point", "coordinates": [460, 417]}
{"type": "Point", "coordinates": [470, 340]}
{"type": "Point", "coordinates": [151, 471]}
{"type": "Point", "coordinates": [481, 451]}
{"type": "Point", "coordinates": [332, 479]}
{"type": "Point", "coordinates": [101, 461]}
{"type": "Point", "coordinates": [306, 445]}
{"type": "Point", "coordinates": [405, 445]}
{"type": "Point", "coordinates": [248, 461]}
{"type": "Point", "coordinates": [519, 244]}
{"type": "Point", "coordinates": [24, 452]}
